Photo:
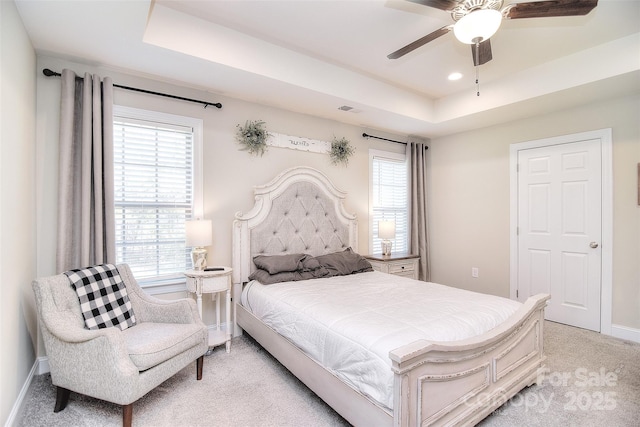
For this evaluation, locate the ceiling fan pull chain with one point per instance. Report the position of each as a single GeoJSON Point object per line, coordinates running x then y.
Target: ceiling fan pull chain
{"type": "Point", "coordinates": [477, 69]}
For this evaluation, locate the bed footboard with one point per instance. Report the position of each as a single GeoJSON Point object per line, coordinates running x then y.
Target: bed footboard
{"type": "Point", "coordinates": [460, 383]}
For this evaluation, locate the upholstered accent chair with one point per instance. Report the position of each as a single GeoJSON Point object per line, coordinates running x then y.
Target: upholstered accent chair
{"type": "Point", "coordinates": [111, 364]}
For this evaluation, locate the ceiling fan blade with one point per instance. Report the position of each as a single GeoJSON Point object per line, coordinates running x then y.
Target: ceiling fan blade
{"type": "Point", "coordinates": [447, 5]}
{"type": "Point", "coordinates": [545, 9]}
{"type": "Point", "coordinates": [419, 43]}
{"type": "Point", "coordinates": [484, 52]}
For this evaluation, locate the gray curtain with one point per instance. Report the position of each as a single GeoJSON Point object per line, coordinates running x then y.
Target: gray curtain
{"type": "Point", "coordinates": [418, 233]}
{"type": "Point", "coordinates": [86, 225]}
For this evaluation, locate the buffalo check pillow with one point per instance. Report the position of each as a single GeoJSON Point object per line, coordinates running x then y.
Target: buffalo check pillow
{"type": "Point", "coordinates": [103, 297]}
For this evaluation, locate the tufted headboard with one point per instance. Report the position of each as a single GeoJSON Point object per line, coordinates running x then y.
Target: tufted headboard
{"type": "Point", "coordinates": [299, 211]}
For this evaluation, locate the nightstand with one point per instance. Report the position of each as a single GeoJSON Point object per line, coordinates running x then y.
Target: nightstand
{"type": "Point", "coordinates": [214, 283]}
{"type": "Point", "coordinates": [400, 264]}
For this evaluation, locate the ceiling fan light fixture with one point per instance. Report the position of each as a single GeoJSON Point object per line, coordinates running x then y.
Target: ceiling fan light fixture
{"type": "Point", "coordinates": [478, 24]}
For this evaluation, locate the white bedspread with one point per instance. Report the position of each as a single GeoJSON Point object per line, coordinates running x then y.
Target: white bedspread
{"type": "Point", "coordinates": [350, 323]}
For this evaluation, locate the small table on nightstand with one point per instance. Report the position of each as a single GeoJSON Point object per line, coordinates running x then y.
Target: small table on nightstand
{"type": "Point", "coordinates": [400, 264]}
{"type": "Point", "coordinates": [213, 282]}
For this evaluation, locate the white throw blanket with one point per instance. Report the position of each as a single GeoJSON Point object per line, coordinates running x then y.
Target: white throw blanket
{"type": "Point", "coordinates": [349, 324]}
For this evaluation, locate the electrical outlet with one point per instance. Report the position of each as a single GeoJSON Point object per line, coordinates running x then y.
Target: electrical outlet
{"type": "Point", "coordinates": [474, 272]}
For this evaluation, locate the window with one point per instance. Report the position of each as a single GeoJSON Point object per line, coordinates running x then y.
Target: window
{"type": "Point", "coordinates": [389, 199]}
{"type": "Point", "coordinates": [157, 188]}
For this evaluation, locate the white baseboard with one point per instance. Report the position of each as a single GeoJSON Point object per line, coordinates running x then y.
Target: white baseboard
{"type": "Point", "coordinates": [625, 333]}
{"type": "Point", "coordinates": [43, 365]}
{"type": "Point", "coordinates": [16, 411]}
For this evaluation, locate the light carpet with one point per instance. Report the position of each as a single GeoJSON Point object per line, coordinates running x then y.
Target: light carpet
{"type": "Point", "coordinates": [592, 380]}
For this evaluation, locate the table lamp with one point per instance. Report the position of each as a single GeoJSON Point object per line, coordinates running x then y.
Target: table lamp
{"type": "Point", "coordinates": [386, 231]}
{"type": "Point", "coordinates": [198, 236]}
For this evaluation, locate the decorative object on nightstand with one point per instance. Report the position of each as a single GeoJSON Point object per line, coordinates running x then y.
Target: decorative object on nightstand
{"type": "Point", "coordinates": [214, 281]}
{"type": "Point", "coordinates": [198, 236]}
{"type": "Point", "coordinates": [387, 232]}
{"type": "Point", "coordinates": [400, 264]}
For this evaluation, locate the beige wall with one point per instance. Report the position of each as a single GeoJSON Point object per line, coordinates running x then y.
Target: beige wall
{"type": "Point", "coordinates": [469, 176]}
{"type": "Point", "coordinates": [469, 199]}
{"type": "Point", "coordinates": [17, 206]}
{"type": "Point", "coordinates": [229, 174]}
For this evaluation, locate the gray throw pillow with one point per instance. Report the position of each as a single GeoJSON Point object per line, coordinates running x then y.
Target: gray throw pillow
{"type": "Point", "coordinates": [274, 264]}
{"type": "Point", "coordinates": [265, 278]}
{"type": "Point", "coordinates": [343, 263]}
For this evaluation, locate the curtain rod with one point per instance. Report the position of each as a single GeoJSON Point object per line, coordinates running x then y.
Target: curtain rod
{"type": "Point", "coordinates": [47, 72]}
{"type": "Point", "coordinates": [365, 135]}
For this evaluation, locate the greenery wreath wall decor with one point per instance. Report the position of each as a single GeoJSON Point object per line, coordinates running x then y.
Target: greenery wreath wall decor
{"type": "Point", "coordinates": [341, 150]}
{"type": "Point", "coordinates": [253, 137]}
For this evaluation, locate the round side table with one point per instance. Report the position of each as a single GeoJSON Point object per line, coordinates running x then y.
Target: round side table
{"type": "Point", "coordinates": [215, 283]}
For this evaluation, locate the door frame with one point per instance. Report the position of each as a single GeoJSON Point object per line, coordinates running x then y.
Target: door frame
{"type": "Point", "coordinates": [606, 282]}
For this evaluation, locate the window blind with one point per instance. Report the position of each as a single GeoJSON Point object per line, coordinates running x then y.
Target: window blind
{"type": "Point", "coordinates": [390, 200]}
{"type": "Point", "coordinates": [154, 196]}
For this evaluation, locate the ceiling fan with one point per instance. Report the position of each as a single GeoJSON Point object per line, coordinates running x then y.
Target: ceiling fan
{"type": "Point", "coordinates": [477, 20]}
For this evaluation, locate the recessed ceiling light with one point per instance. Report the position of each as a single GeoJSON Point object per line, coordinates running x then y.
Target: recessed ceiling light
{"type": "Point", "coordinates": [455, 76]}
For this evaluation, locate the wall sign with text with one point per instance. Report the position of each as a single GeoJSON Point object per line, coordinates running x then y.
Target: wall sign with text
{"type": "Point", "coordinates": [298, 143]}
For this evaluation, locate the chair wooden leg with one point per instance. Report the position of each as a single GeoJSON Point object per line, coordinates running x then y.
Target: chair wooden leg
{"type": "Point", "coordinates": [62, 398]}
{"type": "Point", "coordinates": [127, 415]}
{"type": "Point", "coordinates": [199, 364]}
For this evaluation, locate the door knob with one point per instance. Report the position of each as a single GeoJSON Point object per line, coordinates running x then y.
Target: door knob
{"type": "Point", "coordinates": [593, 245]}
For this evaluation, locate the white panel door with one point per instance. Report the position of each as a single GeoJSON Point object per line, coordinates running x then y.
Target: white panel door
{"type": "Point", "coordinates": [560, 228]}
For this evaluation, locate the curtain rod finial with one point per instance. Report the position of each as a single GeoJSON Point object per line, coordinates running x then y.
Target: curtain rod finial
{"type": "Point", "coordinates": [47, 72]}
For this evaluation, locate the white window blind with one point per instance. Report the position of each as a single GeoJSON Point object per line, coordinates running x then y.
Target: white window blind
{"type": "Point", "coordinates": [154, 169]}
{"type": "Point", "coordinates": [389, 198]}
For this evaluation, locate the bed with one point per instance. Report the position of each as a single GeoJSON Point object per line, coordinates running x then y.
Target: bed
{"type": "Point", "coordinates": [429, 381]}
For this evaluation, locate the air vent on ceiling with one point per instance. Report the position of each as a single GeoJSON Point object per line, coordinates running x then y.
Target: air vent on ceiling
{"type": "Point", "coordinates": [348, 108]}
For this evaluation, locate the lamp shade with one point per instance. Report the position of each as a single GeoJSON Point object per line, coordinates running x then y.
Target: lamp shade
{"type": "Point", "coordinates": [199, 232]}
{"type": "Point", "coordinates": [478, 25]}
{"type": "Point", "coordinates": [387, 230]}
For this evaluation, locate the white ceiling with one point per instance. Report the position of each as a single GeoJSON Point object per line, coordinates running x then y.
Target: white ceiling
{"type": "Point", "coordinates": [313, 56]}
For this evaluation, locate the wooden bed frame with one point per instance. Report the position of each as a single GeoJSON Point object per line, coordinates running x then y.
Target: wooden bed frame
{"type": "Point", "coordinates": [443, 383]}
